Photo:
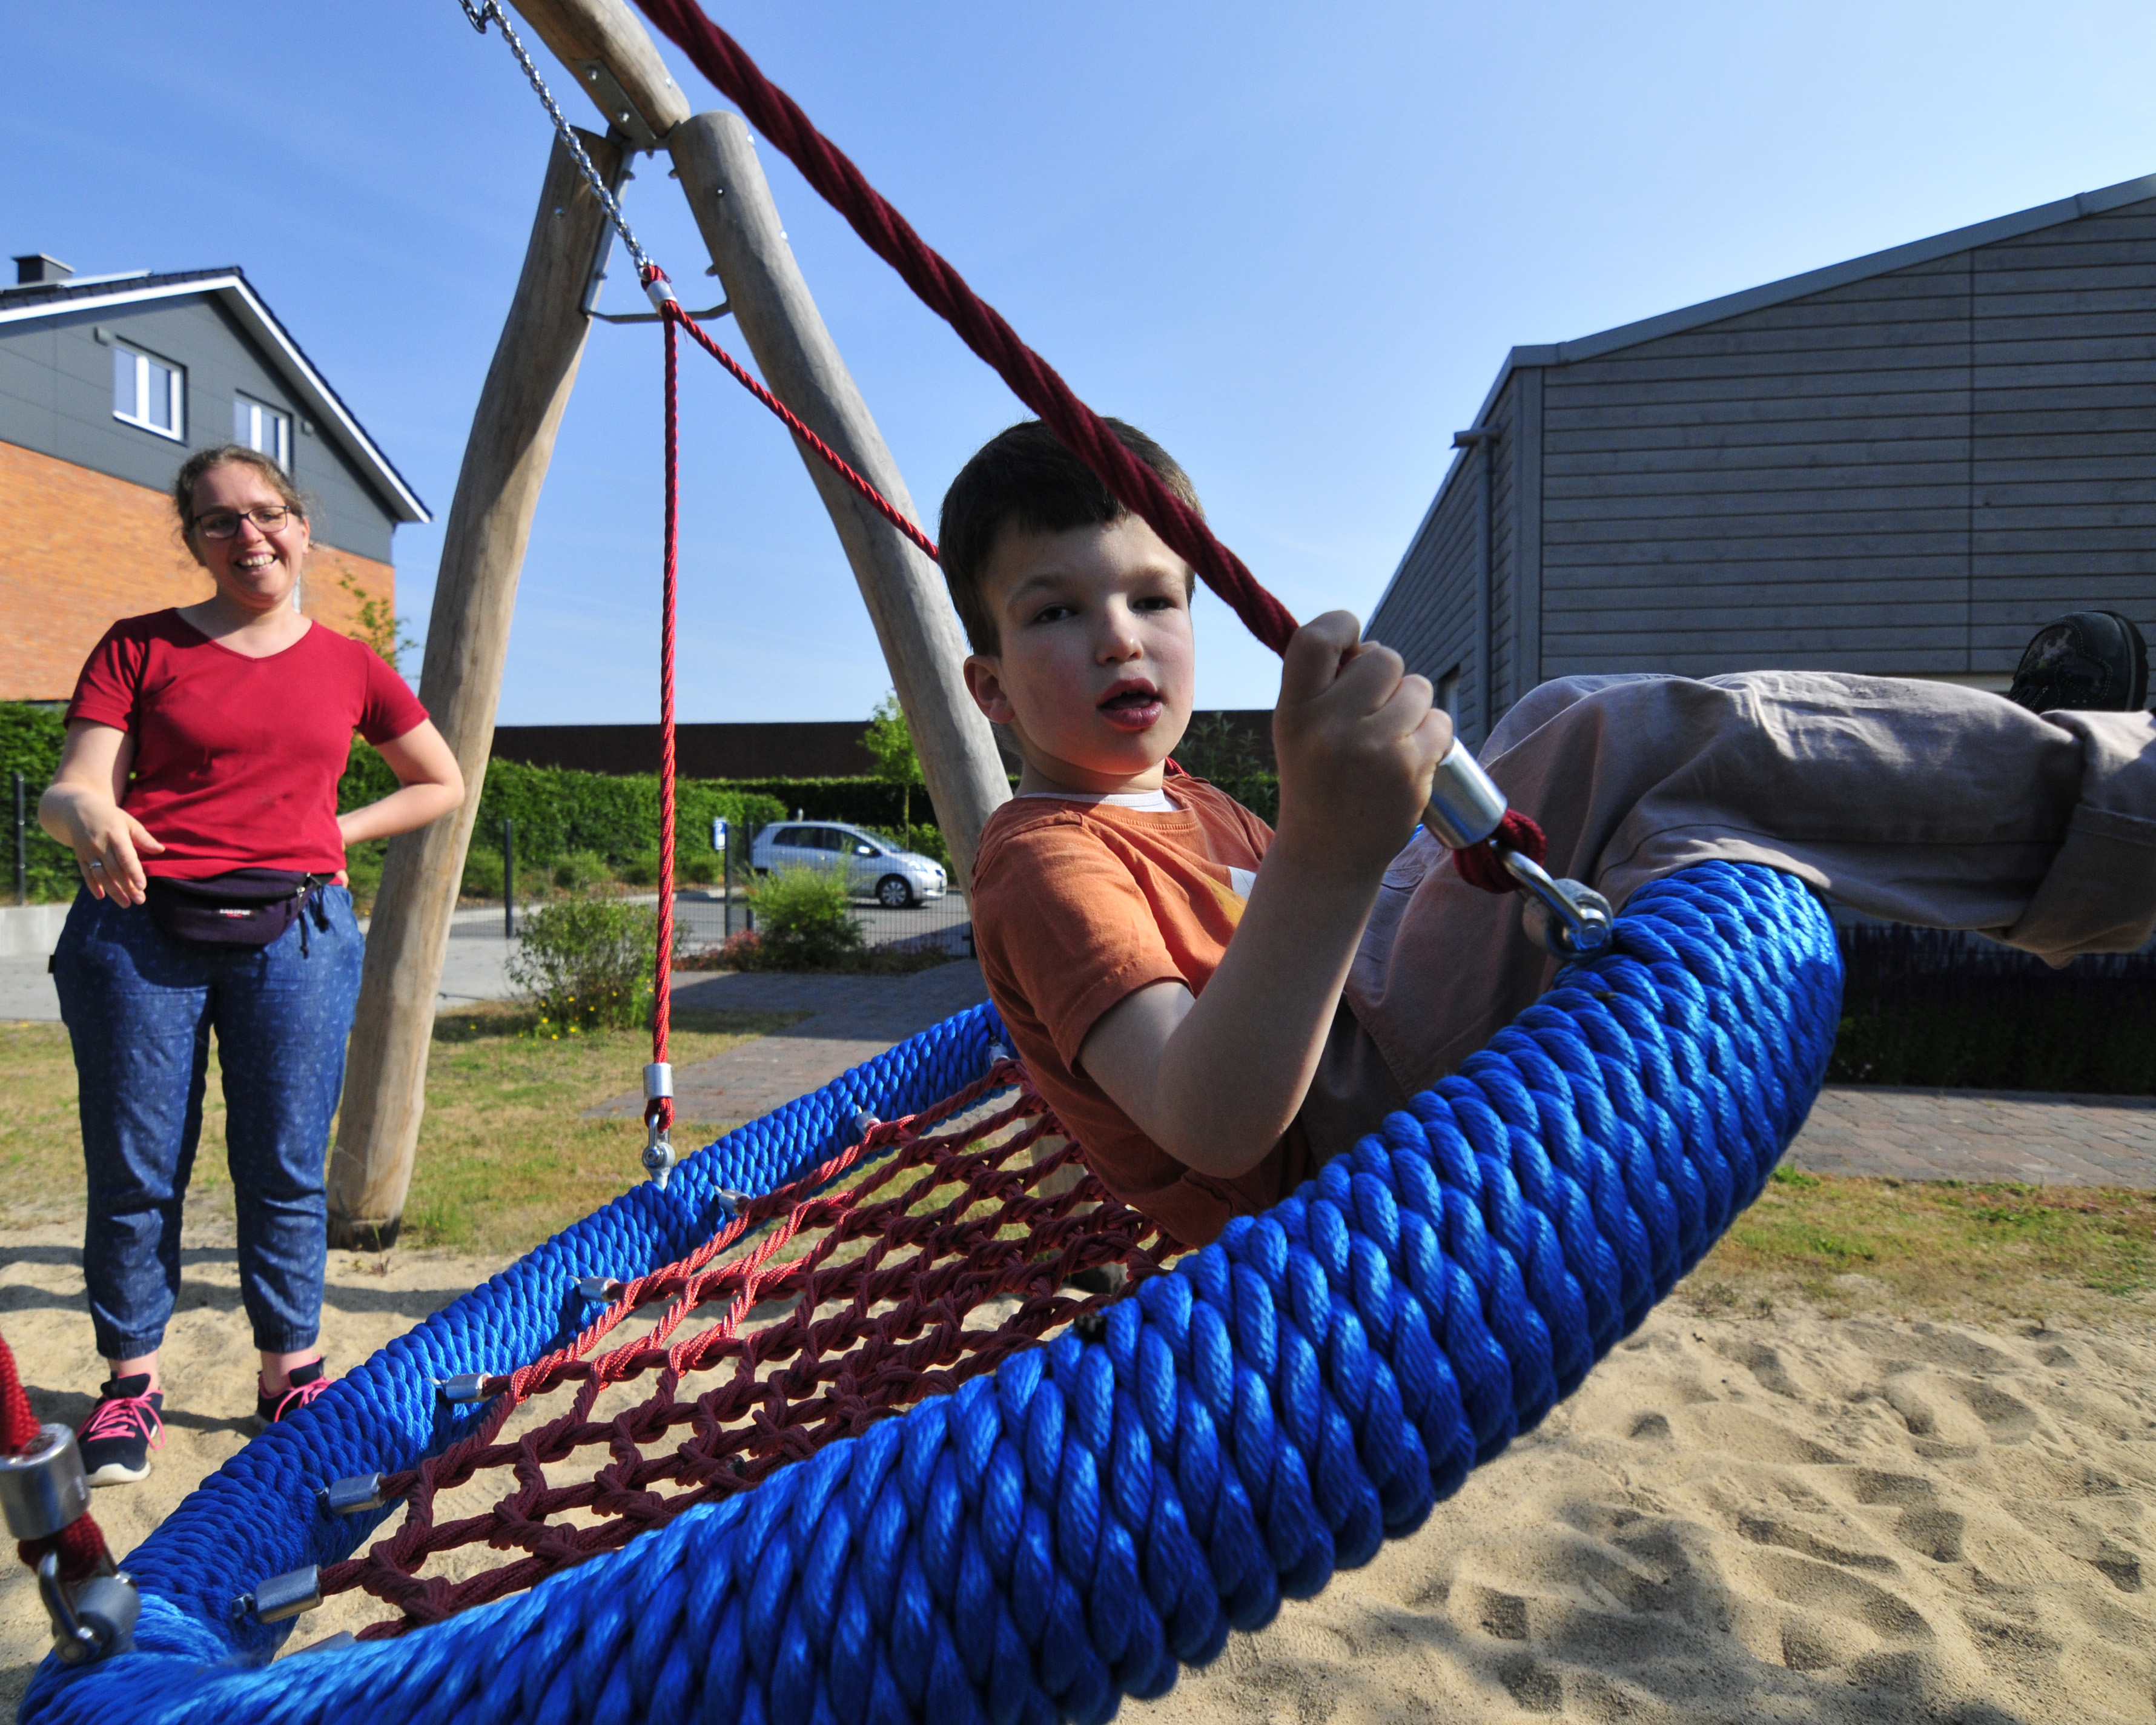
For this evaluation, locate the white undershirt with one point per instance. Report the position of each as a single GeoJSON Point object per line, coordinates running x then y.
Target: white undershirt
{"type": "Point", "coordinates": [1153, 802]}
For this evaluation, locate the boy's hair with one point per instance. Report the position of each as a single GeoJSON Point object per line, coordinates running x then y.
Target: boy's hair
{"type": "Point", "coordinates": [1023, 480]}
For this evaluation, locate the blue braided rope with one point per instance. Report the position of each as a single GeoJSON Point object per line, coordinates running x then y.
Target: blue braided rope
{"type": "Point", "coordinates": [1093, 1516]}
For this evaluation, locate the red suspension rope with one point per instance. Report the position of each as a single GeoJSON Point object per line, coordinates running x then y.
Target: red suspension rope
{"type": "Point", "coordinates": [81, 1547]}
{"type": "Point", "coordinates": [1031, 379]}
{"type": "Point", "coordinates": [660, 1110]}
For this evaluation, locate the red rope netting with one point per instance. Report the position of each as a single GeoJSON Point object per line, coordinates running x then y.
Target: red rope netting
{"type": "Point", "coordinates": [865, 1274]}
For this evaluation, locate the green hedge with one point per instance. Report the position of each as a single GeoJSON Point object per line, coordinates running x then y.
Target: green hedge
{"type": "Point", "coordinates": [558, 811]}
{"type": "Point", "coordinates": [30, 739]}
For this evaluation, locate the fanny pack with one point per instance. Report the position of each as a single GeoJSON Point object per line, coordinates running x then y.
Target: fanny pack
{"type": "Point", "coordinates": [248, 907]}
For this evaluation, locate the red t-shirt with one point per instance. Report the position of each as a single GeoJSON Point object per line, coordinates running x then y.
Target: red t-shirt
{"type": "Point", "coordinates": [237, 759]}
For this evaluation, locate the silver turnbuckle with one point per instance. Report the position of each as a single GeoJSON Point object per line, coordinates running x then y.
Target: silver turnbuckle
{"type": "Point", "coordinates": [43, 1493]}
{"type": "Point", "coordinates": [1570, 918]}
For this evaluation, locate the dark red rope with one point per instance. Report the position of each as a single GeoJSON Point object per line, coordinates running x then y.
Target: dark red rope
{"type": "Point", "coordinates": [888, 234]}
{"type": "Point", "coordinates": [81, 1547]}
{"type": "Point", "coordinates": [660, 1110]}
{"type": "Point", "coordinates": [1478, 864]}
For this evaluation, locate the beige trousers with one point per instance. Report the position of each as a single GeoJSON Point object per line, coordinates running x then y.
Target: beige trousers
{"type": "Point", "coordinates": [1921, 802]}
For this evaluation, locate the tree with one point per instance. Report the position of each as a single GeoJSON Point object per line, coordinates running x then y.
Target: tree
{"type": "Point", "coordinates": [891, 742]}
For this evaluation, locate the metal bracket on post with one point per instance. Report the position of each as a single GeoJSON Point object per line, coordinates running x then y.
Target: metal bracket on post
{"type": "Point", "coordinates": [1570, 919]}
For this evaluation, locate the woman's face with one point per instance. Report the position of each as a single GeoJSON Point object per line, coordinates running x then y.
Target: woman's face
{"type": "Point", "coordinates": [254, 570]}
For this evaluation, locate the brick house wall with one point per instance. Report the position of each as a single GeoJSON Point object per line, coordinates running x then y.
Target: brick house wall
{"type": "Point", "coordinates": [83, 549]}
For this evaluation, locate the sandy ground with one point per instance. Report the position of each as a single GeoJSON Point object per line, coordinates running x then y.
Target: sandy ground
{"type": "Point", "coordinates": [1790, 1517]}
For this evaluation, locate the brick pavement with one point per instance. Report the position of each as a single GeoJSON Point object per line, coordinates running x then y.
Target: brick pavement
{"type": "Point", "coordinates": [852, 1019]}
{"type": "Point", "coordinates": [1977, 1135]}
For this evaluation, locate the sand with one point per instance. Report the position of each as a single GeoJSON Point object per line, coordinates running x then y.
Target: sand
{"type": "Point", "coordinates": [1794, 1516]}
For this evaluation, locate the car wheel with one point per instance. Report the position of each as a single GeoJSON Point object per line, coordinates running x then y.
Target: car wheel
{"type": "Point", "coordinates": [895, 892]}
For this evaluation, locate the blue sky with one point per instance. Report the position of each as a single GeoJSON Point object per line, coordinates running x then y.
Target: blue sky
{"type": "Point", "coordinates": [1292, 242]}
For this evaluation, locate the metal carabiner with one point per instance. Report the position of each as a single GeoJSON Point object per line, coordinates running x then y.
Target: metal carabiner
{"type": "Point", "coordinates": [1570, 919]}
{"type": "Point", "coordinates": [659, 1157]}
{"type": "Point", "coordinates": [99, 1620]}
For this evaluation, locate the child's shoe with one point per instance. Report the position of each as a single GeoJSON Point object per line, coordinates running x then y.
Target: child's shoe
{"type": "Point", "coordinates": [306, 1383]}
{"type": "Point", "coordinates": [128, 1423]}
{"type": "Point", "coordinates": [2091, 662]}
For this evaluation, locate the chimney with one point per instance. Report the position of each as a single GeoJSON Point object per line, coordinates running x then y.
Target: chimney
{"type": "Point", "coordinates": [36, 270]}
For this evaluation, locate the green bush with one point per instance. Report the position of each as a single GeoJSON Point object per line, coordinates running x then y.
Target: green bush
{"type": "Point", "coordinates": [482, 875]}
{"type": "Point", "coordinates": [804, 920]}
{"type": "Point", "coordinates": [587, 963]}
{"type": "Point", "coordinates": [580, 870]}
{"type": "Point", "coordinates": [30, 740]}
{"type": "Point", "coordinates": [641, 870]}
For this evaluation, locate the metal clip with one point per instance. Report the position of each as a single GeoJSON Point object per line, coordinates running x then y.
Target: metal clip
{"type": "Point", "coordinates": [1570, 918]}
{"type": "Point", "coordinates": [465, 1388]}
{"type": "Point", "coordinates": [45, 1491]}
{"type": "Point", "coordinates": [99, 1620]}
{"type": "Point", "coordinates": [1466, 805]}
{"type": "Point", "coordinates": [353, 1495]}
{"type": "Point", "coordinates": [282, 1596]}
{"type": "Point", "coordinates": [659, 1157]}
{"type": "Point", "coordinates": [864, 1122]}
{"type": "Point", "coordinates": [600, 1290]}
{"type": "Point", "coordinates": [660, 292]}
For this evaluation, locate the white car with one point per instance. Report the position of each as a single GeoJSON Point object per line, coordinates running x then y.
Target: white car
{"type": "Point", "coordinates": [874, 867]}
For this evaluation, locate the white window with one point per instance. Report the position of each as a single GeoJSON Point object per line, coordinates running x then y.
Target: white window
{"type": "Point", "coordinates": [149, 392]}
{"type": "Point", "coordinates": [1448, 693]}
{"type": "Point", "coordinates": [263, 428]}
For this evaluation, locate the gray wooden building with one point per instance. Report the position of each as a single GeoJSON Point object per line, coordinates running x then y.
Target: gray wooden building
{"type": "Point", "coordinates": [1900, 466]}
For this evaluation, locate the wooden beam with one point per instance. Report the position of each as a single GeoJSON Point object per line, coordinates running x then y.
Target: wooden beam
{"type": "Point", "coordinates": [714, 156]}
{"type": "Point", "coordinates": [506, 460]}
{"type": "Point", "coordinates": [615, 61]}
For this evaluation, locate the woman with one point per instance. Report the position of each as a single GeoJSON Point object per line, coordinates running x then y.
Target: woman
{"type": "Point", "coordinates": [197, 790]}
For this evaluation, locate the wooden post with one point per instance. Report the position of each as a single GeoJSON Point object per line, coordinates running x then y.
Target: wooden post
{"type": "Point", "coordinates": [505, 460]}
{"type": "Point", "coordinates": [716, 158]}
{"type": "Point", "coordinates": [616, 64]}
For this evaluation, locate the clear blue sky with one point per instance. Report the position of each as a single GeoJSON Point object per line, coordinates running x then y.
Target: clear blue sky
{"type": "Point", "coordinates": [1293, 242]}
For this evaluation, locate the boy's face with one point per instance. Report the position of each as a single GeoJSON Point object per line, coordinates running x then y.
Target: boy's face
{"type": "Point", "coordinates": [1095, 672]}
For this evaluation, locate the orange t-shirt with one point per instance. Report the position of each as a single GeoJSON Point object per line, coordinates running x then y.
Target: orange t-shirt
{"type": "Point", "coordinates": [1077, 906]}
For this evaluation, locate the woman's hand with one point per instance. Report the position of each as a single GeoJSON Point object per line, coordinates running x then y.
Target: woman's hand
{"type": "Point", "coordinates": [82, 811]}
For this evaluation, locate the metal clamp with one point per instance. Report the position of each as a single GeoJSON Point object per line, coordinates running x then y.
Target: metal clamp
{"type": "Point", "coordinates": [462, 1389]}
{"type": "Point", "coordinates": [46, 1490]}
{"type": "Point", "coordinates": [659, 1157]}
{"type": "Point", "coordinates": [354, 1496]}
{"type": "Point", "coordinates": [282, 1596]}
{"type": "Point", "coordinates": [97, 1619]}
{"type": "Point", "coordinates": [1569, 918]}
{"type": "Point", "coordinates": [600, 1290]}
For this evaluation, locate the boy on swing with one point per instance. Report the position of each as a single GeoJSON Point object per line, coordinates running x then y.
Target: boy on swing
{"type": "Point", "coordinates": [1213, 1009]}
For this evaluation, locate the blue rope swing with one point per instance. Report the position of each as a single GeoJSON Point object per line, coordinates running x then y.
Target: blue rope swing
{"type": "Point", "coordinates": [1078, 1525]}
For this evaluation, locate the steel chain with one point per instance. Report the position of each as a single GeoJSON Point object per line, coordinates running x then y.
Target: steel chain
{"type": "Point", "coordinates": [478, 16]}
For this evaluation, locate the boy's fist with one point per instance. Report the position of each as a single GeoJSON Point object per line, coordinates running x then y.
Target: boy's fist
{"type": "Point", "coordinates": [1357, 739]}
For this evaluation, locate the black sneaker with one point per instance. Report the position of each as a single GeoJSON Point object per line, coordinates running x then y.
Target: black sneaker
{"type": "Point", "coordinates": [307, 1381]}
{"type": "Point", "coordinates": [128, 1423]}
{"type": "Point", "coordinates": [2091, 662]}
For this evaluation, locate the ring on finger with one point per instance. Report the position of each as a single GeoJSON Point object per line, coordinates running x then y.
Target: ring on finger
{"type": "Point", "coordinates": [97, 865]}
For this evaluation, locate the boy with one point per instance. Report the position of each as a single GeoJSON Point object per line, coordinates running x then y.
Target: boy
{"type": "Point", "coordinates": [1205, 1076]}
{"type": "Point", "coordinates": [1103, 895]}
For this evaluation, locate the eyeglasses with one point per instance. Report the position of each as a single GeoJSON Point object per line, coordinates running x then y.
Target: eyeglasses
{"type": "Point", "coordinates": [224, 523]}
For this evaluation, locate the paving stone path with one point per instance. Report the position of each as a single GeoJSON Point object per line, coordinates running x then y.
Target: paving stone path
{"type": "Point", "coordinates": [852, 1019]}
{"type": "Point", "coordinates": [1911, 1134]}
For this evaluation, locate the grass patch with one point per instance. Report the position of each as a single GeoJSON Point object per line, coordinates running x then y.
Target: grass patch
{"type": "Point", "coordinates": [1937, 1248]}
{"type": "Point", "coordinates": [505, 1156]}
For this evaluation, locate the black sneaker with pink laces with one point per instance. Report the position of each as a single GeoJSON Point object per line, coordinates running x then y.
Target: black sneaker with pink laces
{"type": "Point", "coordinates": [306, 1383]}
{"type": "Point", "coordinates": [128, 1423]}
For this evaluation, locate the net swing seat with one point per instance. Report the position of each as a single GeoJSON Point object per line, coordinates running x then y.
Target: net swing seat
{"type": "Point", "coordinates": [873, 1508]}
{"type": "Point", "coordinates": [836, 1420]}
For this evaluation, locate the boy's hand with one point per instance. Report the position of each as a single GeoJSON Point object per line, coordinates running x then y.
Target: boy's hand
{"type": "Point", "coordinates": [1357, 739]}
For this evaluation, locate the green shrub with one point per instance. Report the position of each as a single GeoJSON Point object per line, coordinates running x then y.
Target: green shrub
{"type": "Point", "coordinates": [641, 870]}
{"type": "Point", "coordinates": [30, 740]}
{"type": "Point", "coordinates": [362, 867]}
{"type": "Point", "coordinates": [699, 870]}
{"type": "Point", "coordinates": [804, 920]}
{"type": "Point", "coordinates": [482, 875]}
{"type": "Point", "coordinates": [586, 962]}
{"type": "Point", "coordinates": [580, 870]}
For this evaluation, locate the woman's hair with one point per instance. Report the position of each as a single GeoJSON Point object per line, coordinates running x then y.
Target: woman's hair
{"type": "Point", "coordinates": [232, 455]}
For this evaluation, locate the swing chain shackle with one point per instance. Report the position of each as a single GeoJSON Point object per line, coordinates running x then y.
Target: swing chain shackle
{"type": "Point", "coordinates": [1569, 918]}
{"type": "Point", "coordinates": [45, 1491]}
